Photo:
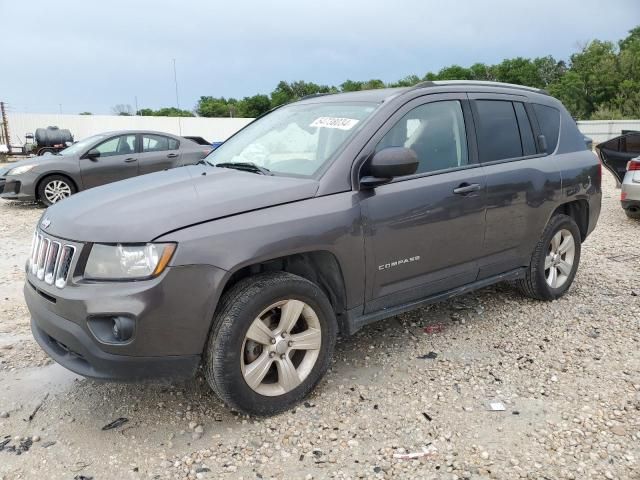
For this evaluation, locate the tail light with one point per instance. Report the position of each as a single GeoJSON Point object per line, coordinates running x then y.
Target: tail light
{"type": "Point", "coordinates": [633, 165]}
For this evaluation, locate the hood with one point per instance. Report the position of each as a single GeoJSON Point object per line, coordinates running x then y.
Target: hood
{"type": "Point", "coordinates": [143, 208]}
{"type": "Point", "coordinates": [45, 159]}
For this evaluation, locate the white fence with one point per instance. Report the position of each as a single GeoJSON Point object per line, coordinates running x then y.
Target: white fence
{"type": "Point", "coordinates": [213, 129]}
{"type": "Point", "coordinates": [602, 130]}
{"type": "Point", "coordinates": [81, 126]}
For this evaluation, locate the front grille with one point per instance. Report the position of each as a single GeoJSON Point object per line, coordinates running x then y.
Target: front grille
{"type": "Point", "coordinates": [50, 260]}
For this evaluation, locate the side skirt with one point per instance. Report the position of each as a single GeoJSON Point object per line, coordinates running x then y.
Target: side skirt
{"type": "Point", "coordinates": [354, 319]}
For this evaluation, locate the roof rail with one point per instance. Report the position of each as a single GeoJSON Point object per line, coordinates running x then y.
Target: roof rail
{"type": "Point", "coordinates": [478, 83]}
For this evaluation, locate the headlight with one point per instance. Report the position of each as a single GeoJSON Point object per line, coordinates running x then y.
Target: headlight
{"type": "Point", "coordinates": [128, 262]}
{"type": "Point", "coordinates": [19, 170]}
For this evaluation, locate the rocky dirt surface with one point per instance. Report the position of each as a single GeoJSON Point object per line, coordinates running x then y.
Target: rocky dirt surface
{"type": "Point", "coordinates": [405, 398]}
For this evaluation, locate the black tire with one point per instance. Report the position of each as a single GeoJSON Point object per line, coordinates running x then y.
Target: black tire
{"type": "Point", "coordinates": [238, 309]}
{"type": "Point", "coordinates": [534, 284]}
{"type": "Point", "coordinates": [42, 197]}
{"type": "Point", "coordinates": [634, 215]}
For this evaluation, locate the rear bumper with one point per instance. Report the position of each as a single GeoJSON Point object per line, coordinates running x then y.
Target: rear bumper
{"type": "Point", "coordinates": [630, 188]}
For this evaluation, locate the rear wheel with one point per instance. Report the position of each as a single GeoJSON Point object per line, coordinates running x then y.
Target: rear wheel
{"type": "Point", "coordinates": [271, 343]}
{"type": "Point", "coordinates": [54, 188]}
{"type": "Point", "coordinates": [554, 261]}
{"type": "Point", "coordinates": [635, 214]}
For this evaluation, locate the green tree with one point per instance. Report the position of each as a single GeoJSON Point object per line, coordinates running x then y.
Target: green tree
{"type": "Point", "coordinates": [480, 71]}
{"type": "Point", "coordinates": [85, 113]}
{"type": "Point", "coordinates": [251, 107]}
{"type": "Point", "coordinates": [597, 68]}
{"type": "Point", "coordinates": [455, 72]}
{"type": "Point", "coordinates": [217, 107]}
{"type": "Point", "coordinates": [289, 92]}
{"type": "Point", "coordinates": [165, 112]}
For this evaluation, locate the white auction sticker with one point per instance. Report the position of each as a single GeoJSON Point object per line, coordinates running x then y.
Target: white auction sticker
{"type": "Point", "coordinates": [334, 122]}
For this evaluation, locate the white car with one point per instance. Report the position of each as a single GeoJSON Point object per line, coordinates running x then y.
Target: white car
{"type": "Point", "coordinates": [621, 156]}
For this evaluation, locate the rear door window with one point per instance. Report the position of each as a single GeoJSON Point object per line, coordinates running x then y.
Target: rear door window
{"type": "Point", "coordinates": [498, 133]}
{"type": "Point", "coordinates": [631, 144]}
{"type": "Point", "coordinates": [526, 133]}
{"type": "Point", "coordinates": [549, 121]}
{"type": "Point", "coordinates": [158, 143]}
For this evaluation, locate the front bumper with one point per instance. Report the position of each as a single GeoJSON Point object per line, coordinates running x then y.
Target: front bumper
{"type": "Point", "coordinates": [19, 187]}
{"type": "Point", "coordinates": [172, 316]}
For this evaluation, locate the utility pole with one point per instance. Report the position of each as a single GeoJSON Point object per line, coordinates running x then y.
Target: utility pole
{"type": "Point", "coordinates": [5, 126]}
{"type": "Point", "coordinates": [136, 101]}
{"type": "Point", "coordinates": [175, 80]}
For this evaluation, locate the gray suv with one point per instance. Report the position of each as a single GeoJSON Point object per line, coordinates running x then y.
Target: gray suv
{"type": "Point", "coordinates": [315, 220]}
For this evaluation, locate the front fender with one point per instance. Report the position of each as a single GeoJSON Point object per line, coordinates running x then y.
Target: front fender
{"type": "Point", "coordinates": [331, 223]}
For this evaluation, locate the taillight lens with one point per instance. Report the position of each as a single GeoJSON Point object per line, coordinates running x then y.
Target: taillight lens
{"type": "Point", "coordinates": [633, 165]}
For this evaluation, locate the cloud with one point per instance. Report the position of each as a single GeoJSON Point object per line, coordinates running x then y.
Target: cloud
{"type": "Point", "coordinates": [92, 55]}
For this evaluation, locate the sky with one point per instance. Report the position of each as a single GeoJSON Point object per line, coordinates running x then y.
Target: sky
{"type": "Point", "coordinates": [74, 56]}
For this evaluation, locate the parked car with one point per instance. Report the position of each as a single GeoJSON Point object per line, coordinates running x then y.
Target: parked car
{"type": "Point", "coordinates": [319, 218]}
{"type": "Point", "coordinates": [94, 161]}
{"type": "Point", "coordinates": [621, 156]}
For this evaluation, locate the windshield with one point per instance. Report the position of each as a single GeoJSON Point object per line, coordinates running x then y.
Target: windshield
{"type": "Point", "coordinates": [295, 139]}
{"type": "Point", "coordinates": [81, 146]}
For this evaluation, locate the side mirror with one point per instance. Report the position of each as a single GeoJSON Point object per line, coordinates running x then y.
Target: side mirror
{"type": "Point", "coordinates": [542, 144]}
{"type": "Point", "coordinates": [388, 163]}
{"type": "Point", "coordinates": [93, 154]}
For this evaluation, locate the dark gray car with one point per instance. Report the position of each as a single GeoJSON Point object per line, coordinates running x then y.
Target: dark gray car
{"type": "Point", "coordinates": [319, 218]}
{"type": "Point", "coordinates": [94, 161]}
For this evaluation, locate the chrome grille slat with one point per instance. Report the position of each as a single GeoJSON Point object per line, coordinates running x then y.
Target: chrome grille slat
{"type": "Point", "coordinates": [50, 260]}
{"type": "Point", "coordinates": [42, 256]}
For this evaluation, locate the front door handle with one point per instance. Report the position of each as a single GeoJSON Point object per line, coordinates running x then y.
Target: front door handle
{"type": "Point", "coordinates": [172, 155]}
{"type": "Point", "coordinates": [465, 188]}
{"type": "Point", "coordinates": [129, 160]}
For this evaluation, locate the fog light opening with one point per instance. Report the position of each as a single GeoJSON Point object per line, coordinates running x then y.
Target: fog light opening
{"type": "Point", "coordinates": [122, 328]}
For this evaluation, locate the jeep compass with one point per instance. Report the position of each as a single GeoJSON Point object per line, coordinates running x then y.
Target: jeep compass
{"type": "Point", "coordinates": [314, 220]}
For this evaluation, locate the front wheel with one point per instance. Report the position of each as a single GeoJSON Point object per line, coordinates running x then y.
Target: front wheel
{"type": "Point", "coordinates": [271, 342]}
{"type": "Point", "coordinates": [54, 188]}
{"type": "Point", "coordinates": [554, 261]}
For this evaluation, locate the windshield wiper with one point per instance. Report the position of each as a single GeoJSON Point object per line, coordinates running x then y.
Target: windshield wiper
{"type": "Point", "coordinates": [245, 167]}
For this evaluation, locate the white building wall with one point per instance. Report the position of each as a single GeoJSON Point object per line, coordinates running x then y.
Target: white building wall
{"type": "Point", "coordinates": [602, 130]}
{"type": "Point", "coordinates": [81, 126]}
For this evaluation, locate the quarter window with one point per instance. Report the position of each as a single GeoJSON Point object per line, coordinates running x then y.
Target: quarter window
{"type": "Point", "coordinates": [121, 145]}
{"type": "Point", "coordinates": [436, 132]}
{"type": "Point", "coordinates": [158, 143]}
{"type": "Point", "coordinates": [498, 133]}
{"type": "Point", "coordinates": [549, 120]}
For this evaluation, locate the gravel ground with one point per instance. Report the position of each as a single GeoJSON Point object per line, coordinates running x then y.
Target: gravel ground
{"type": "Point", "coordinates": [567, 373]}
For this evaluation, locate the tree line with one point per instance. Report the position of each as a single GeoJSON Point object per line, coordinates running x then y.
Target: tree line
{"type": "Point", "coordinates": [600, 81]}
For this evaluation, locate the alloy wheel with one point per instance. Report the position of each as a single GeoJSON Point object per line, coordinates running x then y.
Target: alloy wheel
{"type": "Point", "coordinates": [560, 257]}
{"type": "Point", "coordinates": [281, 347]}
{"type": "Point", "coordinates": [56, 190]}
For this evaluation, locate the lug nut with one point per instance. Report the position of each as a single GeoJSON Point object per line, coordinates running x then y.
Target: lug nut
{"type": "Point", "coordinates": [273, 341]}
{"type": "Point", "coordinates": [282, 357]}
{"type": "Point", "coordinates": [272, 354]}
{"type": "Point", "coordinates": [290, 343]}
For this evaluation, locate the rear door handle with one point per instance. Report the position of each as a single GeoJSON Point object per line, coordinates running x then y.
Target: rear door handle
{"type": "Point", "coordinates": [172, 155]}
{"type": "Point", "coordinates": [465, 188]}
{"type": "Point", "coordinates": [129, 160]}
